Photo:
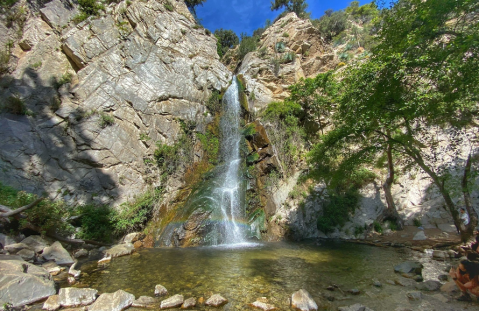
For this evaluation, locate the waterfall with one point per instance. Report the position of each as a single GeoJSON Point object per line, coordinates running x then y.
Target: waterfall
{"type": "Point", "coordinates": [230, 178]}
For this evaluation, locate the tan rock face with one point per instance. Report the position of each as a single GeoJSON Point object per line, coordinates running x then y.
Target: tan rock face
{"type": "Point", "coordinates": [290, 49]}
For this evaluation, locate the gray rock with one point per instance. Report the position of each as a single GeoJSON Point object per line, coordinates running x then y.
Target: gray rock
{"type": "Point", "coordinates": [14, 248]}
{"type": "Point", "coordinates": [172, 302]}
{"type": "Point", "coordinates": [132, 237]}
{"type": "Point", "coordinates": [263, 306]}
{"type": "Point", "coordinates": [302, 300]}
{"type": "Point", "coordinates": [355, 307]}
{"type": "Point", "coordinates": [6, 240]}
{"type": "Point", "coordinates": [72, 297]}
{"type": "Point", "coordinates": [354, 291]}
{"type": "Point", "coordinates": [22, 283]}
{"type": "Point", "coordinates": [414, 267]}
{"type": "Point", "coordinates": [58, 13]}
{"type": "Point", "coordinates": [116, 301]}
{"type": "Point", "coordinates": [429, 285]}
{"type": "Point", "coordinates": [52, 268]}
{"type": "Point", "coordinates": [143, 302]}
{"type": "Point", "coordinates": [189, 303]}
{"type": "Point", "coordinates": [81, 253]}
{"type": "Point", "coordinates": [216, 300]}
{"type": "Point", "coordinates": [57, 253]}
{"type": "Point", "coordinates": [36, 242]}
{"type": "Point", "coordinates": [376, 283]}
{"type": "Point", "coordinates": [26, 254]}
{"type": "Point", "coordinates": [440, 255]}
{"type": "Point", "coordinates": [443, 277]}
{"type": "Point", "coordinates": [405, 282]}
{"type": "Point", "coordinates": [160, 290]}
{"type": "Point", "coordinates": [450, 287]}
{"type": "Point", "coordinates": [420, 236]}
{"type": "Point", "coordinates": [52, 303]}
{"type": "Point", "coordinates": [414, 296]}
{"type": "Point", "coordinates": [120, 250]}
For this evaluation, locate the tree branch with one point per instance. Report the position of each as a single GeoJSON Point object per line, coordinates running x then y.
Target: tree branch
{"type": "Point", "coordinates": [18, 210]}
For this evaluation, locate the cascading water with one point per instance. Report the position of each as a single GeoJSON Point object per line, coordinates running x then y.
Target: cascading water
{"type": "Point", "coordinates": [230, 180]}
{"type": "Point", "coordinates": [214, 211]}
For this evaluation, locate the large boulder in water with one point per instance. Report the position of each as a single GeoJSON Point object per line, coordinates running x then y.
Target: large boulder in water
{"type": "Point", "coordinates": [72, 297]}
{"type": "Point", "coordinates": [117, 301]}
{"type": "Point", "coordinates": [302, 300]}
{"type": "Point", "coordinates": [57, 253]}
{"type": "Point", "coordinates": [22, 283]}
{"type": "Point", "coordinates": [172, 302]}
{"type": "Point", "coordinates": [185, 235]}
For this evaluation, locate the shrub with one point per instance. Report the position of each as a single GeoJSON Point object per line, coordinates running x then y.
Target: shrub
{"type": "Point", "coordinates": [276, 66]}
{"type": "Point", "coordinates": [336, 210]}
{"type": "Point", "coordinates": [15, 105]}
{"type": "Point", "coordinates": [285, 35]}
{"type": "Point", "coordinates": [106, 120]}
{"type": "Point", "coordinates": [90, 7]}
{"type": "Point", "coordinates": [416, 222]}
{"type": "Point", "coordinates": [280, 47]}
{"type": "Point", "coordinates": [289, 57]}
{"type": "Point", "coordinates": [5, 60]}
{"type": "Point", "coordinates": [248, 44]}
{"type": "Point", "coordinates": [169, 6]}
{"type": "Point", "coordinates": [211, 145]}
{"type": "Point", "coordinates": [252, 158]}
{"type": "Point", "coordinates": [262, 52]}
{"type": "Point", "coordinates": [249, 131]}
{"type": "Point", "coordinates": [144, 137]}
{"type": "Point", "coordinates": [64, 79]}
{"type": "Point", "coordinates": [96, 222]}
{"type": "Point", "coordinates": [377, 227]}
{"type": "Point", "coordinates": [214, 102]}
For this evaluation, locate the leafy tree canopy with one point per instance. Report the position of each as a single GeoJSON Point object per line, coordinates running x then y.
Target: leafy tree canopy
{"type": "Point", "coordinates": [191, 4]}
{"type": "Point", "coordinates": [297, 6]}
{"type": "Point", "coordinates": [226, 40]}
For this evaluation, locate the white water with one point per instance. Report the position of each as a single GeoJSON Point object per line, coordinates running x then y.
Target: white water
{"type": "Point", "coordinates": [230, 179]}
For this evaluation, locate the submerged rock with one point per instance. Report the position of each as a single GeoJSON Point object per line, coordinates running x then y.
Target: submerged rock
{"type": "Point", "coordinates": [355, 307]}
{"type": "Point", "coordinates": [81, 253]}
{"type": "Point", "coordinates": [302, 300]}
{"type": "Point", "coordinates": [160, 290]}
{"type": "Point", "coordinates": [120, 250]}
{"type": "Point", "coordinates": [216, 301]}
{"type": "Point", "coordinates": [57, 253]}
{"type": "Point", "coordinates": [172, 302]}
{"type": "Point", "coordinates": [143, 302]}
{"type": "Point", "coordinates": [116, 301]}
{"type": "Point", "coordinates": [413, 267]}
{"type": "Point", "coordinates": [263, 306]}
{"type": "Point", "coordinates": [72, 297]}
{"type": "Point", "coordinates": [22, 283]}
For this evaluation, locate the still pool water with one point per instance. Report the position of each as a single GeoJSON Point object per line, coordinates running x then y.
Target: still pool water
{"type": "Point", "coordinates": [272, 270]}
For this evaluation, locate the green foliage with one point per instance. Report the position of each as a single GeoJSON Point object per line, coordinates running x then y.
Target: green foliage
{"type": "Point", "coordinates": [276, 64]}
{"type": "Point", "coordinates": [15, 105]}
{"type": "Point", "coordinates": [106, 120]}
{"type": "Point", "coordinates": [280, 47]}
{"type": "Point", "coordinates": [144, 137]}
{"type": "Point", "coordinates": [416, 222]}
{"type": "Point", "coordinates": [90, 7]}
{"type": "Point", "coordinates": [214, 102]}
{"type": "Point", "coordinates": [337, 209]}
{"type": "Point", "coordinates": [249, 130]}
{"type": "Point", "coordinates": [289, 57]}
{"type": "Point", "coordinates": [252, 158]}
{"type": "Point", "coordinates": [191, 4]}
{"type": "Point", "coordinates": [96, 222]}
{"type": "Point", "coordinates": [169, 6]}
{"type": "Point", "coordinates": [227, 39]}
{"type": "Point", "coordinates": [64, 79]}
{"type": "Point", "coordinates": [285, 35]}
{"type": "Point", "coordinates": [211, 145]}
{"type": "Point", "coordinates": [248, 44]}
{"type": "Point", "coordinates": [377, 227]}
{"type": "Point", "coordinates": [7, 3]}
{"type": "Point", "coordinates": [332, 23]}
{"type": "Point", "coordinates": [36, 65]}
{"type": "Point", "coordinates": [5, 59]}
{"type": "Point", "coordinates": [297, 6]}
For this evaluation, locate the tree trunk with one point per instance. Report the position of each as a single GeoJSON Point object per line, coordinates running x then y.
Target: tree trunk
{"type": "Point", "coordinates": [467, 198]}
{"type": "Point", "coordinates": [391, 211]}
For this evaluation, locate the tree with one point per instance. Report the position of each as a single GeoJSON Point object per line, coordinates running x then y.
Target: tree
{"type": "Point", "coordinates": [296, 6]}
{"type": "Point", "coordinates": [191, 4]}
{"type": "Point", "coordinates": [422, 77]}
{"type": "Point", "coordinates": [332, 23]}
{"type": "Point", "coordinates": [227, 39]}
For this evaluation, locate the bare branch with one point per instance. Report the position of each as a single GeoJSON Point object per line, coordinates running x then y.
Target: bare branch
{"type": "Point", "coordinates": [19, 210]}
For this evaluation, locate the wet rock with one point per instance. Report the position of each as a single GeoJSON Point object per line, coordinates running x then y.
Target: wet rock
{"type": "Point", "coordinates": [132, 237]}
{"type": "Point", "coordinates": [23, 283]}
{"type": "Point", "coordinates": [120, 250]}
{"type": "Point", "coordinates": [172, 302]}
{"type": "Point", "coordinates": [52, 268]}
{"type": "Point", "coordinates": [72, 297]}
{"type": "Point", "coordinates": [414, 296]}
{"type": "Point", "coordinates": [450, 287]}
{"type": "Point", "coordinates": [81, 253]}
{"type": "Point", "coordinates": [376, 283]}
{"type": "Point", "coordinates": [143, 302]}
{"type": "Point", "coordinates": [160, 290]}
{"type": "Point", "coordinates": [302, 300]}
{"type": "Point", "coordinates": [354, 291]}
{"type": "Point", "coordinates": [262, 306]}
{"type": "Point", "coordinates": [216, 301]}
{"type": "Point", "coordinates": [429, 285]}
{"type": "Point", "coordinates": [35, 242]}
{"type": "Point", "coordinates": [407, 267]}
{"type": "Point", "coordinates": [441, 298]}
{"type": "Point", "coordinates": [440, 255]}
{"type": "Point", "coordinates": [443, 277]}
{"type": "Point", "coordinates": [138, 244]}
{"type": "Point", "coordinates": [420, 236]}
{"type": "Point", "coordinates": [189, 303]}
{"type": "Point", "coordinates": [116, 301]}
{"type": "Point", "coordinates": [57, 253]}
{"type": "Point", "coordinates": [73, 272]}
{"type": "Point", "coordinates": [52, 303]}
{"type": "Point", "coordinates": [104, 260]}
{"type": "Point", "coordinates": [26, 254]}
{"type": "Point", "coordinates": [417, 278]}
{"type": "Point", "coordinates": [6, 240]}
{"type": "Point", "coordinates": [405, 282]}
{"type": "Point", "coordinates": [14, 248]}
{"type": "Point", "coordinates": [355, 307]}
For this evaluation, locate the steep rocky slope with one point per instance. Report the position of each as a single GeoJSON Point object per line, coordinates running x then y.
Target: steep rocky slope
{"type": "Point", "coordinates": [100, 94]}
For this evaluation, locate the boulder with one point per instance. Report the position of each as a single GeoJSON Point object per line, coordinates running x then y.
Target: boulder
{"type": "Point", "coordinates": [35, 242]}
{"type": "Point", "coordinates": [58, 13]}
{"type": "Point", "coordinates": [52, 303]}
{"type": "Point", "coordinates": [116, 301]}
{"type": "Point", "coordinates": [354, 291]}
{"type": "Point", "coordinates": [26, 254]}
{"type": "Point", "coordinates": [302, 300]}
{"type": "Point", "coordinates": [262, 306]}
{"type": "Point", "coordinates": [189, 303]}
{"type": "Point", "coordinates": [440, 255]}
{"type": "Point", "coordinates": [120, 250]}
{"type": "Point", "coordinates": [406, 267]}
{"type": "Point", "coordinates": [57, 253]}
{"type": "Point", "coordinates": [429, 285]}
{"type": "Point", "coordinates": [22, 283]}
{"type": "Point", "coordinates": [72, 297]}
{"type": "Point", "coordinates": [172, 302]}
{"type": "Point", "coordinates": [81, 253]}
{"type": "Point", "coordinates": [143, 302]}
{"type": "Point", "coordinates": [355, 307]}
{"type": "Point", "coordinates": [420, 236]}
{"type": "Point", "coordinates": [6, 240]}
{"type": "Point", "coordinates": [216, 301]}
{"type": "Point", "coordinates": [14, 248]}
{"type": "Point", "coordinates": [132, 237]}
{"type": "Point", "coordinates": [52, 268]}
{"type": "Point", "coordinates": [160, 290]}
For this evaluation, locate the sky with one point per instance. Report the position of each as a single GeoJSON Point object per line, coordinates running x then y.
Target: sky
{"type": "Point", "coordinates": [248, 15]}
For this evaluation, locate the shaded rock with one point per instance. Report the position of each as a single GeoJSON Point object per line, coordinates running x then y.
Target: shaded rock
{"type": "Point", "coordinates": [376, 283]}
{"type": "Point", "coordinates": [414, 267]}
{"type": "Point", "coordinates": [73, 272]}
{"type": "Point", "coordinates": [57, 253]}
{"type": "Point", "coordinates": [6, 240]}
{"type": "Point", "coordinates": [116, 301]}
{"type": "Point", "coordinates": [52, 303]}
{"type": "Point", "coordinates": [35, 242]}
{"type": "Point", "coordinates": [189, 303]}
{"type": "Point", "coordinates": [429, 285]}
{"type": "Point", "coordinates": [216, 301]}
{"type": "Point", "coordinates": [22, 283]}
{"type": "Point", "coordinates": [405, 282]}
{"type": "Point", "coordinates": [14, 248]}
{"type": "Point", "coordinates": [172, 302]}
{"type": "Point", "coordinates": [120, 250]}
{"type": "Point", "coordinates": [263, 306]}
{"type": "Point", "coordinates": [450, 287]}
{"type": "Point", "coordinates": [81, 253]}
{"type": "Point", "coordinates": [414, 296]}
{"type": "Point", "coordinates": [441, 298]}
{"type": "Point", "coordinates": [160, 290]}
{"type": "Point", "coordinates": [143, 302]}
{"type": "Point", "coordinates": [52, 268]}
{"type": "Point", "coordinates": [72, 297]}
{"type": "Point", "coordinates": [443, 277]}
{"type": "Point", "coordinates": [355, 307]}
{"type": "Point", "coordinates": [420, 236]}
{"type": "Point", "coordinates": [440, 255]}
{"type": "Point", "coordinates": [302, 300]}
{"type": "Point", "coordinates": [26, 254]}
{"type": "Point", "coordinates": [354, 291]}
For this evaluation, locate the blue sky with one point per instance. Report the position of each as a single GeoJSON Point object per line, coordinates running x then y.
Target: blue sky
{"type": "Point", "coordinates": [248, 15]}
